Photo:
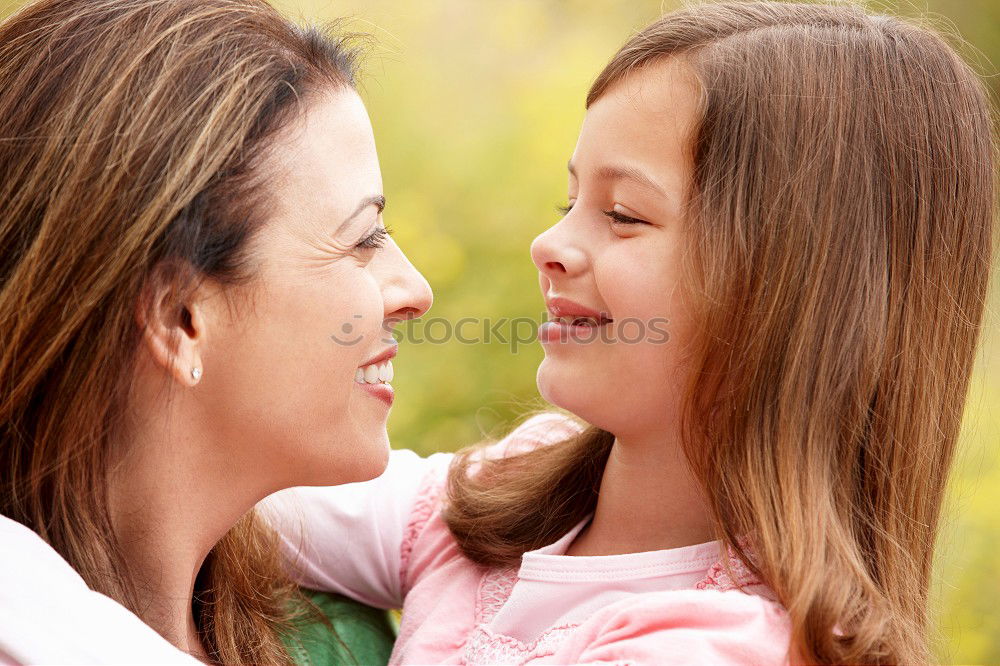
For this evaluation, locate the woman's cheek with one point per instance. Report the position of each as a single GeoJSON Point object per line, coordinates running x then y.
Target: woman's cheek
{"type": "Point", "coordinates": [363, 312]}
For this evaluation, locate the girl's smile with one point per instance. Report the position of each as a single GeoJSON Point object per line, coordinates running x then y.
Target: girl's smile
{"type": "Point", "coordinates": [571, 321]}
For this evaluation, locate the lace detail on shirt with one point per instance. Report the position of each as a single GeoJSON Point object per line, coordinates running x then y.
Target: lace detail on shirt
{"type": "Point", "coordinates": [428, 496]}
{"type": "Point", "coordinates": [716, 578]}
{"type": "Point", "coordinates": [485, 647]}
{"type": "Point", "coordinates": [494, 591]}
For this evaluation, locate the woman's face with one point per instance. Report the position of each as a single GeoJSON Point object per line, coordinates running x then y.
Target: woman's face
{"type": "Point", "coordinates": [298, 382]}
{"type": "Point", "coordinates": [616, 256]}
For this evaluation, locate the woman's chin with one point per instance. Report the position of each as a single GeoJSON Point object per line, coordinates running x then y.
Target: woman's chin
{"type": "Point", "coordinates": [368, 460]}
{"type": "Point", "coordinates": [353, 457]}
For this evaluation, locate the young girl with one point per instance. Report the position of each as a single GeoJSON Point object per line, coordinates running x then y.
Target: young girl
{"type": "Point", "coordinates": [804, 193]}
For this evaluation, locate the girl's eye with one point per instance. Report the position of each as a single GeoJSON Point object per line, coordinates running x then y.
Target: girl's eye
{"type": "Point", "coordinates": [564, 210]}
{"type": "Point", "coordinates": [621, 218]}
{"type": "Point", "coordinates": [375, 239]}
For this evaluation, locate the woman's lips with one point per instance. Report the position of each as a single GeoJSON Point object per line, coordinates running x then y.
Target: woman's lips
{"type": "Point", "coordinates": [375, 374]}
{"type": "Point", "coordinates": [382, 391]}
{"type": "Point", "coordinates": [383, 356]}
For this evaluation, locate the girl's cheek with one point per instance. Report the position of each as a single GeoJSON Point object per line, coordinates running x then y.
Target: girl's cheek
{"type": "Point", "coordinates": [624, 284]}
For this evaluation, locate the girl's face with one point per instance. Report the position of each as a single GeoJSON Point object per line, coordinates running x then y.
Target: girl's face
{"type": "Point", "coordinates": [295, 387]}
{"type": "Point", "coordinates": [610, 270]}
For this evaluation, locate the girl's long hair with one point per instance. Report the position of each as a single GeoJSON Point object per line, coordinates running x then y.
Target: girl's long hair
{"type": "Point", "coordinates": [131, 134]}
{"type": "Point", "coordinates": [841, 219]}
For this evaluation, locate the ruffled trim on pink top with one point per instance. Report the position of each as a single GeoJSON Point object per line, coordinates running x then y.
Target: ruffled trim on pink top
{"type": "Point", "coordinates": [427, 503]}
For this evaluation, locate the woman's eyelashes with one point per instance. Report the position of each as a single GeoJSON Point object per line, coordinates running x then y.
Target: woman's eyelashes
{"type": "Point", "coordinates": [375, 239]}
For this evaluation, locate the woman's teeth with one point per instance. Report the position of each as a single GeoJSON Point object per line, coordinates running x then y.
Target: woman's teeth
{"type": "Point", "coordinates": [375, 373]}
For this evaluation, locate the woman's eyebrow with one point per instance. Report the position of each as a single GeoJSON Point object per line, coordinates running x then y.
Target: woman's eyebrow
{"type": "Point", "coordinates": [378, 200]}
{"type": "Point", "coordinates": [624, 172]}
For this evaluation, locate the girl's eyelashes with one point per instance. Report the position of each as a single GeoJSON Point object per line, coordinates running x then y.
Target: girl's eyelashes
{"type": "Point", "coordinates": [621, 218]}
{"type": "Point", "coordinates": [375, 239]}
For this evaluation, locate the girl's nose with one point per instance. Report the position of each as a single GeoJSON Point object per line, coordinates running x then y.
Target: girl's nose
{"type": "Point", "coordinates": [556, 255]}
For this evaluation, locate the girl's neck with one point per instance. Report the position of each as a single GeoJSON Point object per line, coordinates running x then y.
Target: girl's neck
{"type": "Point", "coordinates": [648, 500]}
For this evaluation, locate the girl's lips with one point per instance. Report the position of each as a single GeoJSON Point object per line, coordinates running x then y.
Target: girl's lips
{"type": "Point", "coordinates": [564, 308]}
{"type": "Point", "coordinates": [571, 322]}
{"type": "Point", "coordinates": [558, 331]}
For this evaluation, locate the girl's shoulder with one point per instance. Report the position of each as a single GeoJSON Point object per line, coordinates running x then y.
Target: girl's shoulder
{"type": "Point", "coordinates": [426, 539]}
{"type": "Point", "coordinates": [542, 429]}
{"type": "Point", "coordinates": [699, 626]}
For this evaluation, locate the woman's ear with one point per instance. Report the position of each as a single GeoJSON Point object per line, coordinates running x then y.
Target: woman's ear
{"type": "Point", "coordinates": [173, 325]}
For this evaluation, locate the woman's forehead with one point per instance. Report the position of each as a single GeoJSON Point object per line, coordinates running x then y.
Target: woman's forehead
{"type": "Point", "coordinates": [328, 161]}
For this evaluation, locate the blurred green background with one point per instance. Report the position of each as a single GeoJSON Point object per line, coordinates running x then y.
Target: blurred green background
{"type": "Point", "coordinates": [476, 105]}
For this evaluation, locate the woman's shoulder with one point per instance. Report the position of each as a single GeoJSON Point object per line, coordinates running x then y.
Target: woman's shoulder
{"type": "Point", "coordinates": [698, 626]}
{"type": "Point", "coordinates": [42, 596]}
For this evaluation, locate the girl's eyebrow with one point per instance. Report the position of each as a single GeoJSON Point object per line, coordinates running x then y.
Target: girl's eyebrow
{"type": "Point", "coordinates": [624, 172]}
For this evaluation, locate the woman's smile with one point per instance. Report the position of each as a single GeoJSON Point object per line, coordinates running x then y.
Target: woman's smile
{"type": "Point", "coordinates": [374, 375]}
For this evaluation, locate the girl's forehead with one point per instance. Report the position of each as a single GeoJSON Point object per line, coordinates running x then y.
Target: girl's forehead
{"type": "Point", "coordinates": [654, 107]}
{"type": "Point", "coordinates": [644, 122]}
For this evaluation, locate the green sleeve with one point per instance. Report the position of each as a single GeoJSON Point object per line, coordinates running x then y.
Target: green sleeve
{"type": "Point", "coordinates": [356, 634]}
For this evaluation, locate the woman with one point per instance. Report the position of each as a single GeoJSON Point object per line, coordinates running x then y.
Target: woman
{"type": "Point", "coordinates": [804, 193]}
{"type": "Point", "coordinates": [196, 291]}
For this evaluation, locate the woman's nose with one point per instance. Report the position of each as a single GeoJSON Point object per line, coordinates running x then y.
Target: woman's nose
{"type": "Point", "coordinates": [555, 255]}
{"type": "Point", "coordinates": [405, 291]}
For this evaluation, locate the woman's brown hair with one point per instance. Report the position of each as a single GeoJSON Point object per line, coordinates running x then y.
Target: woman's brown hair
{"type": "Point", "coordinates": [132, 138]}
{"type": "Point", "coordinates": [841, 220]}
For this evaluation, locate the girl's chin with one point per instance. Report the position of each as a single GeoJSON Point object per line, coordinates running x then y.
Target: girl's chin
{"type": "Point", "coordinates": [564, 389]}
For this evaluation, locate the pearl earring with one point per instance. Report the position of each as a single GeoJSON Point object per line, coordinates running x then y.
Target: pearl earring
{"type": "Point", "coordinates": [196, 373]}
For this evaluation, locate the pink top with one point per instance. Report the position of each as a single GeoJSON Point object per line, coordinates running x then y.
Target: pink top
{"type": "Point", "coordinates": [384, 542]}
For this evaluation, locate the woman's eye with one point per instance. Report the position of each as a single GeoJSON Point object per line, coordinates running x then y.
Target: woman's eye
{"type": "Point", "coordinates": [621, 218]}
{"type": "Point", "coordinates": [375, 239]}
